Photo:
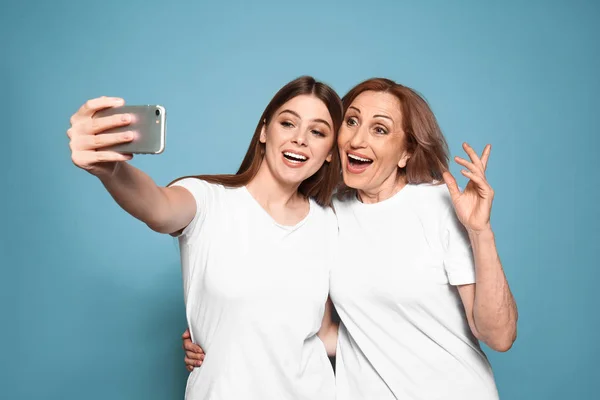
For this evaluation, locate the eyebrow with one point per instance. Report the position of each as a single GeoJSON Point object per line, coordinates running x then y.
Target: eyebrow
{"type": "Point", "coordinates": [291, 112]}
{"type": "Point", "coordinates": [323, 122]}
{"type": "Point", "coordinates": [298, 116]}
{"type": "Point", "coordinates": [374, 116]}
{"type": "Point", "coordinates": [383, 116]}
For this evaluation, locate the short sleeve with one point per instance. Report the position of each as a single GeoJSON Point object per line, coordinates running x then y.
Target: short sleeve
{"type": "Point", "coordinates": [458, 254]}
{"type": "Point", "coordinates": [201, 191]}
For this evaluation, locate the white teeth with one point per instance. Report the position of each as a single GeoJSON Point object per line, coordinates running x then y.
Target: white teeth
{"type": "Point", "coordinates": [358, 158]}
{"type": "Point", "coordinates": [296, 156]}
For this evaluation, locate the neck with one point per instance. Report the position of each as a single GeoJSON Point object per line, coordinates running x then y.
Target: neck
{"type": "Point", "coordinates": [270, 192]}
{"type": "Point", "coordinates": [387, 189]}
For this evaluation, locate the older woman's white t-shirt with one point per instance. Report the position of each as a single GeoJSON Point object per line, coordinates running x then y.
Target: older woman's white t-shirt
{"type": "Point", "coordinates": [404, 332]}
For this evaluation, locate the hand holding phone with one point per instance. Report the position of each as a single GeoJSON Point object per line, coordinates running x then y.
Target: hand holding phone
{"type": "Point", "coordinates": [104, 132]}
{"type": "Point", "coordinates": [148, 125]}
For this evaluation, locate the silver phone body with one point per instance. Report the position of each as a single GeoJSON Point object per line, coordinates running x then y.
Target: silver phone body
{"type": "Point", "coordinates": [148, 125]}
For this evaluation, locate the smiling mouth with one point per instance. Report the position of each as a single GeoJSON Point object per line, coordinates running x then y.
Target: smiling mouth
{"type": "Point", "coordinates": [358, 161]}
{"type": "Point", "coordinates": [357, 164]}
{"type": "Point", "coordinates": [295, 157]}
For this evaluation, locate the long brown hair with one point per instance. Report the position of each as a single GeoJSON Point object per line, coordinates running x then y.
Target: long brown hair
{"type": "Point", "coordinates": [424, 139]}
{"type": "Point", "coordinates": [319, 186]}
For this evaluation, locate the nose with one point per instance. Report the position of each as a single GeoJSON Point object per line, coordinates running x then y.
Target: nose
{"type": "Point", "coordinates": [357, 140]}
{"type": "Point", "coordinates": [300, 137]}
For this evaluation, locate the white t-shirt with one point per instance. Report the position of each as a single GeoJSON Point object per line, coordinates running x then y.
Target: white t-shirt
{"type": "Point", "coordinates": [404, 332]}
{"type": "Point", "coordinates": [255, 294]}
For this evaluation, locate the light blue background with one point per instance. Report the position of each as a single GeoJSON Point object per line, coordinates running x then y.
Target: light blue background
{"type": "Point", "coordinates": [92, 304]}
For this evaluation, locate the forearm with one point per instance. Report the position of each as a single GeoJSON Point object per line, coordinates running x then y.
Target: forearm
{"type": "Point", "coordinates": [494, 308]}
{"type": "Point", "coordinates": [329, 337]}
{"type": "Point", "coordinates": [328, 333]}
{"type": "Point", "coordinates": [138, 194]}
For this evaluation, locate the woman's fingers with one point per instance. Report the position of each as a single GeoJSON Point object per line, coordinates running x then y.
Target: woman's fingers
{"type": "Point", "coordinates": [473, 156]}
{"type": "Point", "coordinates": [485, 156]}
{"type": "Point", "coordinates": [95, 142]}
{"type": "Point", "coordinates": [451, 184]}
{"type": "Point", "coordinates": [93, 126]}
{"type": "Point", "coordinates": [195, 360]}
{"type": "Point", "coordinates": [87, 159]}
{"type": "Point", "coordinates": [194, 355]}
{"type": "Point", "coordinates": [90, 107]}
{"type": "Point", "coordinates": [476, 178]}
{"type": "Point", "coordinates": [191, 348]}
{"type": "Point", "coordinates": [84, 123]}
{"type": "Point", "coordinates": [469, 165]}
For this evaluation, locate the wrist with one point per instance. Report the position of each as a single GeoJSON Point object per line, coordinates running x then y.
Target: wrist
{"type": "Point", "coordinates": [484, 233]}
{"type": "Point", "coordinates": [107, 173]}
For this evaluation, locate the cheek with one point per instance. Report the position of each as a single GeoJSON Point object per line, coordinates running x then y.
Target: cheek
{"type": "Point", "coordinates": [274, 138]}
{"type": "Point", "coordinates": [389, 152]}
{"type": "Point", "coordinates": [343, 136]}
{"type": "Point", "coordinates": [322, 148]}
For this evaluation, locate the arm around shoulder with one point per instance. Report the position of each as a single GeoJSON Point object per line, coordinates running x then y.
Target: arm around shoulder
{"type": "Point", "coordinates": [329, 330]}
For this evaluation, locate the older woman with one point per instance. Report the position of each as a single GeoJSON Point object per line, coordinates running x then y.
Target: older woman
{"type": "Point", "coordinates": [418, 281]}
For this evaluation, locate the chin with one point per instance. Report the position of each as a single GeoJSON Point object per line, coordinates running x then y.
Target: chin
{"type": "Point", "coordinates": [292, 177]}
{"type": "Point", "coordinates": [353, 182]}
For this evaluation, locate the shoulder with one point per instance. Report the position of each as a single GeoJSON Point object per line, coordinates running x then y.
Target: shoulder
{"type": "Point", "coordinates": [325, 215]}
{"type": "Point", "coordinates": [324, 212]}
{"type": "Point", "coordinates": [431, 202]}
{"type": "Point", "coordinates": [342, 203]}
{"type": "Point", "coordinates": [325, 225]}
{"type": "Point", "coordinates": [209, 196]}
{"type": "Point", "coordinates": [194, 182]}
{"type": "Point", "coordinates": [199, 186]}
{"type": "Point", "coordinates": [432, 195]}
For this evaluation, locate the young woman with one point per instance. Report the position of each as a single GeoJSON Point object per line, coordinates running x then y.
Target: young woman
{"type": "Point", "coordinates": [255, 246]}
{"type": "Point", "coordinates": [417, 281]}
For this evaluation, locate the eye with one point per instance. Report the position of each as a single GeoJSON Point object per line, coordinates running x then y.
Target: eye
{"type": "Point", "coordinates": [318, 133]}
{"type": "Point", "coordinates": [287, 124]}
{"type": "Point", "coordinates": [381, 131]}
{"type": "Point", "coordinates": [351, 121]}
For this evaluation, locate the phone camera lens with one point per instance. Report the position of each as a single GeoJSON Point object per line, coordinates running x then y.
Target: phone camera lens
{"type": "Point", "coordinates": [157, 112]}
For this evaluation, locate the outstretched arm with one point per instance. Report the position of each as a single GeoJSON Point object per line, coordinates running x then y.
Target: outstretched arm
{"type": "Point", "coordinates": [165, 210]}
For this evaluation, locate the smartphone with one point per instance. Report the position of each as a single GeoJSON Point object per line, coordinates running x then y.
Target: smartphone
{"type": "Point", "coordinates": [148, 124]}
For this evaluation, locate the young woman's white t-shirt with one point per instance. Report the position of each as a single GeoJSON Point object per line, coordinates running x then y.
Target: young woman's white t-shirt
{"type": "Point", "coordinates": [255, 293]}
{"type": "Point", "coordinates": [404, 332]}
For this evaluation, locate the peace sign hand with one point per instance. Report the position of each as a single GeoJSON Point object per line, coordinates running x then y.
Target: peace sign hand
{"type": "Point", "coordinates": [473, 205]}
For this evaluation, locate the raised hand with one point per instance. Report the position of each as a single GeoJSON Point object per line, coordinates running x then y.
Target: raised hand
{"type": "Point", "coordinates": [473, 205]}
{"type": "Point", "coordinates": [87, 138]}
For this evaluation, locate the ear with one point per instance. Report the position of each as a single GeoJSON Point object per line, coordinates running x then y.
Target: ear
{"type": "Point", "coordinates": [404, 159]}
{"type": "Point", "coordinates": [329, 157]}
{"type": "Point", "coordinates": [263, 133]}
